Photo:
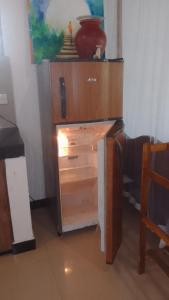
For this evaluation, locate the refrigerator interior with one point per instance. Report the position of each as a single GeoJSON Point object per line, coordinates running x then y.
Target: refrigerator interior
{"type": "Point", "coordinates": [79, 173]}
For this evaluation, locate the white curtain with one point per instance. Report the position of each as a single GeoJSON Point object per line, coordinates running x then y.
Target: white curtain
{"type": "Point", "coordinates": [1, 38]}
{"type": "Point", "coordinates": [146, 67]}
{"type": "Point", "coordinates": [110, 25]}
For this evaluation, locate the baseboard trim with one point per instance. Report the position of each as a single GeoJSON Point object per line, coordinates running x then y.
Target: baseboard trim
{"type": "Point", "coordinates": [6, 252]}
{"type": "Point", "coordinates": [24, 246]}
{"type": "Point", "coordinates": [34, 204]}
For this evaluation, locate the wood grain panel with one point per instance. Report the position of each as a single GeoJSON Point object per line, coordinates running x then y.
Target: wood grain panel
{"type": "Point", "coordinates": [93, 90]}
{"type": "Point", "coordinates": [159, 147]}
{"type": "Point", "coordinates": [6, 235]}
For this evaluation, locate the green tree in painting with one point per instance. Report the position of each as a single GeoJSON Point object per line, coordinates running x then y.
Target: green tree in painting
{"type": "Point", "coordinates": [46, 42]}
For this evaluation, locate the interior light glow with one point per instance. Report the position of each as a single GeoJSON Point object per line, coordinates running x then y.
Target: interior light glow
{"type": "Point", "coordinates": [68, 270]}
{"type": "Point", "coordinates": [62, 144]}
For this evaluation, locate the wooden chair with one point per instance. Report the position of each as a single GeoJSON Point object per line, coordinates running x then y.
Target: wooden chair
{"type": "Point", "coordinates": [149, 175]}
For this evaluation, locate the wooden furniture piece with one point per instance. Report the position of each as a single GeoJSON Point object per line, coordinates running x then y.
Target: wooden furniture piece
{"type": "Point", "coordinates": [132, 165]}
{"type": "Point", "coordinates": [6, 235]}
{"type": "Point", "coordinates": [149, 175]}
{"type": "Point", "coordinates": [114, 168]}
{"type": "Point", "coordinates": [86, 90]}
{"type": "Point", "coordinates": [16, 233]}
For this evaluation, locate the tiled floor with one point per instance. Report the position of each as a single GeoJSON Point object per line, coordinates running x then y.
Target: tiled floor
{"type": "Point", "coordinates": [73, 268]}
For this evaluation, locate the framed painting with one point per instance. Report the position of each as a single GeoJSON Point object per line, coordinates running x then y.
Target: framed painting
{"type": "Point", "coordinates": [52, 23]}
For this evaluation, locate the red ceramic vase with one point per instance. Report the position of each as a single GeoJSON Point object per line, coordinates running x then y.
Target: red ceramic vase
{"type": "Point", "coordinates": [89, 36]}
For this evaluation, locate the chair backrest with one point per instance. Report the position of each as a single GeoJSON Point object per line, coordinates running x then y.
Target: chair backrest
{"type": "Point", "coordinates": [133, 157]}
{"type": "Point", "coordinates": [159, 196]}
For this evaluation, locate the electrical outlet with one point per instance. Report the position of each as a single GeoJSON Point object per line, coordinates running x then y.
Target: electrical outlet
{"type": "Point", "coordinates": [3, 99]}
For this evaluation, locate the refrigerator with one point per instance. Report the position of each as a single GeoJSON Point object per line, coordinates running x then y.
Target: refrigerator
{"type": "Point", "coordinates": [82, 138]}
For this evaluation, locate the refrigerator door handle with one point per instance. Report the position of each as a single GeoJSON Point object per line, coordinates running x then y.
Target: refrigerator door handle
{"type": "Point", "coordinates": [63, 97]}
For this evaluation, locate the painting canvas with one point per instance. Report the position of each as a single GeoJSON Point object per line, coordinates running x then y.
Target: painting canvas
{"type": "Point", "coordinates": [53, 22]}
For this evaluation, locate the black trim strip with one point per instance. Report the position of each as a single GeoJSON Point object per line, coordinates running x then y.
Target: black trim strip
{"type": "Point", "coordinates": [24, 246]}
{"type": "Point", "coordinates": [120, 59]}
{"type": "Point", "coordinates": [6, 252]}
{"type": "Point", "coordinates": [34, 204]}
{"type": "Point", "coordinates": [89, 121]}
{"type": "Point", "coordinates": [62, 97]}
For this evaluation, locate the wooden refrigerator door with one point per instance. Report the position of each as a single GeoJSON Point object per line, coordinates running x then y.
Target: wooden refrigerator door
{"type": "Point", "coordinates": [113, 192]}
{"type": "Point", "coordinates": [97, 91]}
{"type": "Point", "coordinates": [86, 91]}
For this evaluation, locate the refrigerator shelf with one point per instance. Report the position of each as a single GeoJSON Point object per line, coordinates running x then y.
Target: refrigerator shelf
{"type": "Point", "coordinates": [77, 174]}
{"type": "Point", "coordinates": [80, 219]}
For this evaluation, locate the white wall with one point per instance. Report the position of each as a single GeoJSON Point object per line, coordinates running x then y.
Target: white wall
{"type": "Point", "coordinates": [6, 87]}
{"type": "Point", "coordinates": [110, 21]}
{"type": "Point", "coordinates": [1, 40]}
{"type": "Point", "coordinates": [16, 47]}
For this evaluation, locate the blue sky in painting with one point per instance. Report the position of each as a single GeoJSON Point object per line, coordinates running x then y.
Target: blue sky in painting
{"type": "Point", "coordinates": [40, 6]}
{"type": "Point", "coordinates": [96, 7]}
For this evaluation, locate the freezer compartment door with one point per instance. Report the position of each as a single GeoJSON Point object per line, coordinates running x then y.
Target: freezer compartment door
{"type": "Point", "coordinates": [85, 91]}
{"type": "Point", "coordinates": [114, 142]}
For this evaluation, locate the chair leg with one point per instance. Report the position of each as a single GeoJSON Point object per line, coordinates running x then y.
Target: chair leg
{"type": "Point", "coordinates": [142, 248]}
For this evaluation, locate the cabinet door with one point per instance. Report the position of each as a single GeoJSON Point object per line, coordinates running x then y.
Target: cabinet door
{"type": "Point", "coordinates": [86, 91]}
{"type": "Point", "coordinates": [113, 191]}
{"type": "Point", "coordinates": [6, 235]}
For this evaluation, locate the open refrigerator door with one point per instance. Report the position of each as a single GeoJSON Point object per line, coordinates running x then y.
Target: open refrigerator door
{"type": "Point", "coordinates": [81, 175]}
